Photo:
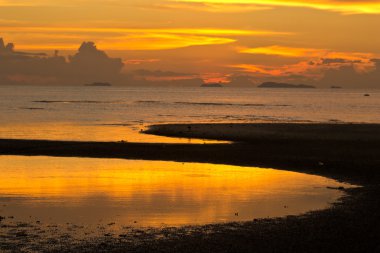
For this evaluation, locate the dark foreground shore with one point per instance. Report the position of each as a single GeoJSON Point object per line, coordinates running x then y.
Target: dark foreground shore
{"type": "Point", "coordinates": [345, 152]}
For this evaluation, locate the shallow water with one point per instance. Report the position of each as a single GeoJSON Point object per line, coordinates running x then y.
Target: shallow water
{"type": "Point", "coordinates": [91, 132]}
{"type": "Point", "coordinates": [140, 193]}
{"type": "Point", "coordinates": [119, 113]}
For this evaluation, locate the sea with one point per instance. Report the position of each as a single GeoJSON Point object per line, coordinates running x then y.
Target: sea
{"type": "Point", "coordinates": [97, 196]}
{"type": "Point", "coordinates": [121, 113]}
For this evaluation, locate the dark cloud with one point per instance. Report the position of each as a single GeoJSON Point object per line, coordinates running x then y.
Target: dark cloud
{"type": "Point", "coordinates": [145, 77]}
{"type": "Point", "coordinates": [328, 61]}
{"type": "Point", "coordinates": [347, 76]}
{"type": "Point", "coordinates": [160, 73]}
{"type": "Point", "coordinates": [130, 79]}
{"type": "Point", "coordinates": [7, 51]}
{"type": "Point", "coordinates": [88, 65]}
{"type": "Point", "coordinates": [241, 81]}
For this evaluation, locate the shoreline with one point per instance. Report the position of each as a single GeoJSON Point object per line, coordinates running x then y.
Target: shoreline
{"type": "Point", "coordinates": [351, 225]}
{"type": "Point", "coordinates": [335, 162]}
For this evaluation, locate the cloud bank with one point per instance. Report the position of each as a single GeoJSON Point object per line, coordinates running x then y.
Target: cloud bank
{"type": "Point", "coordinates": [89, 64]}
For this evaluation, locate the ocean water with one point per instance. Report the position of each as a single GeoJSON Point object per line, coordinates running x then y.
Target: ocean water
{"type": "Point", "coordinates": [99, 192]}
{"type": "Point", "coordinates": [120, 113]}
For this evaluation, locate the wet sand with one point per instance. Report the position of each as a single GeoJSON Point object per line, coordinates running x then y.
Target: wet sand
{"type": "Point", "coordinates": [349, 153]}
{"type": "Point", "coordinates": [271, 132]}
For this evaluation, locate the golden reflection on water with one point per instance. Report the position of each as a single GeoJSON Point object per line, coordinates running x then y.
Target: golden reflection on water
{"type": "Point", "coordinates": [153, 193]}
{"type": "Point", "coordinates": [102, 132]}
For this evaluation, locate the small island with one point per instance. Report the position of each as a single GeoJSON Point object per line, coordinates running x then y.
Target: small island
{"type": "Point", "coordinates": [211, 85]}
{"type": "Point", "coordinates": [98, 84]}
{"type": "Point", "coordinates": [285, 85]}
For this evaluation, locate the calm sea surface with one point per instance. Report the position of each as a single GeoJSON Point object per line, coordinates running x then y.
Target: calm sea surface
{"type": "Point", "coordinates": [117, 113]}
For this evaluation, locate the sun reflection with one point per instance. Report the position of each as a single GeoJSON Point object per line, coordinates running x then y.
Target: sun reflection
{"type": "Point", "coordinates": [154, 192]}
{"type": "Point", "coordinates": [67, 131]}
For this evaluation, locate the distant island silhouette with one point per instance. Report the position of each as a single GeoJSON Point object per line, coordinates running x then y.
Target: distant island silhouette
{"type": "Point", "coordinates": [211, 85]}
{"type": "Point", "coordinates": [285, 85]}
{"type": "Point", "coordinates": [98, 84]}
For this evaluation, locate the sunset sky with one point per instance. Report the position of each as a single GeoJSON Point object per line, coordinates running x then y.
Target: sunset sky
{"type": "Point", "coordinates": [216, 40]}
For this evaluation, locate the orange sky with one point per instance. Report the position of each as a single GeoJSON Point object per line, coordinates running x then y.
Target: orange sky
{"type": "Point", "coordinates": [217, 38]}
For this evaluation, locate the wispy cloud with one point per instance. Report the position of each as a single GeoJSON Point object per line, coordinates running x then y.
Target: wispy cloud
{"type": "Point", "coordinates": [308, 69]}
{"type": "Point", "coordinates": [24, 3]}
{"type": "Point", "coordinates": [208, 7]}
{"type": "Point", "coordinates": [140, 61]}
{"type": "Point", "coordinates": [283, 51]}
{"type": "Point", "coordinates": [40, 38]}
{"type": "Point", "coordinates": [13, 3]}
{"type": "Point", "coordinates": [299, 52]}
{"type": "Point", "coordinates": [347, 7]}
{"type": "Point", "coordinates": [193, 31]}
{"type": "Point", "coordinates": [312, 62]}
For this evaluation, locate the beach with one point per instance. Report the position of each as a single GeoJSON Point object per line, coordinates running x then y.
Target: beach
{"type": "Point", "coordinates": [346, 152]}
{"type": "Point", "coordinates": [195, 126]}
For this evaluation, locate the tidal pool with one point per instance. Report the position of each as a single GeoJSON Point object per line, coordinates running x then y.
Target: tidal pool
{"type": "Point", "coordinates": [153, 193]}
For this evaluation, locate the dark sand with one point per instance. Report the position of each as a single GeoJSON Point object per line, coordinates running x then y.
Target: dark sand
{"type": "Point", "coordinates": [271, 132]}
{"type": "Point", "coordinates": [345, 152]}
